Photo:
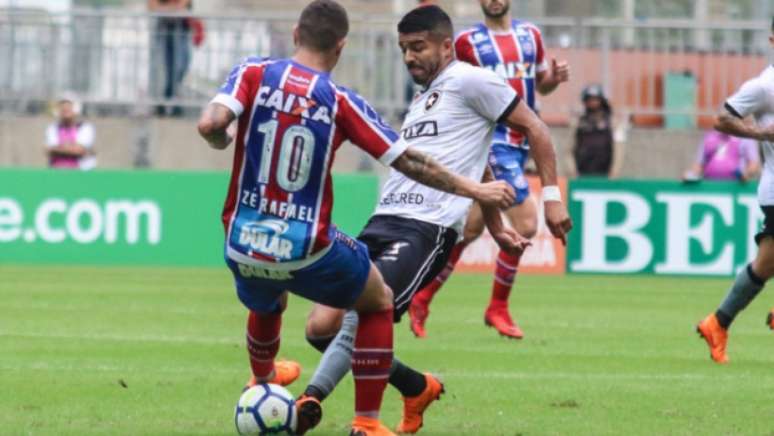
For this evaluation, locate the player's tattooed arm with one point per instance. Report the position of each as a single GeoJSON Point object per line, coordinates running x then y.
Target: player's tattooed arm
{"type": "Point", "coordinates": [427, 171]}
{"type": "Point", "coordinates": [732, 124]}
{"type": "Point", "coordinates": [216, 125]}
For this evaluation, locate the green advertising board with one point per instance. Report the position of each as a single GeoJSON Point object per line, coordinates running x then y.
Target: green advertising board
{"type": "Point", "coordinates": [662, 227]}
{"type": "Point", "coordinates": [134, 217]}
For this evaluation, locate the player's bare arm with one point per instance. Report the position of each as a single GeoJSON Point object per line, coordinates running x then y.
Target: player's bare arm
{"type": "Point", "coordinates": [427, 171]}
{"type": "Point", "coordinates": [214, 126]}
{"type": "Point", "coordinates": [506, 238]}
{"type": "Point", "coordinates": [524, 120]}
{"type": "Point", "coordinates": [558, 72]}
{"type": "Point", "coordinates": [732, 124]}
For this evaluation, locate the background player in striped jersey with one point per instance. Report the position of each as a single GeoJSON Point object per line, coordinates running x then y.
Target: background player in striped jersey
{"type": "Point", "coordinates": [279, 237]}
{"type": "Point", "coordinates": [514, 50]}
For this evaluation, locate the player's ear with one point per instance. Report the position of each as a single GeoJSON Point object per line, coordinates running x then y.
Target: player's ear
{"type": "Point", "coordinates": [296, 39]}
{"type": "Point", "coordinates": [448, 46]}
{"type": "Point", "coordinates": [340, 46]}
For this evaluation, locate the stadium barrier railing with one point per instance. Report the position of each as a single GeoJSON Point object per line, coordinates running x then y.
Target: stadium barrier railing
{"type": "Point", "coordinates": [113, 61]}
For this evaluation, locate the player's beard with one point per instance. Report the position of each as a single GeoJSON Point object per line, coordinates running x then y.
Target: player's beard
{"type": "Point", "coordinates": [501, 13]}
{"type": "Point", "coordinates": [428, 70]}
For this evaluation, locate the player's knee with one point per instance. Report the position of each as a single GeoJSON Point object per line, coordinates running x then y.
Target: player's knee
{"type": "Point", "coordinates": [471, 234]}
{"type": "Point", "coordinates": [387, 298]}
{"type": "Point", "coordinates": [530, 230]}
{"type": "Point", "coordinates": [764, 270]}
{"type": "Point", "coordinates": [527, 227]}
{"type": "Point", "coordinates": [320, 326]}
{"type": "Point", "coordinates": [763, 266]}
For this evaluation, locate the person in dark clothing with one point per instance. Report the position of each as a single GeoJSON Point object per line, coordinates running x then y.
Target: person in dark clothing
{"type": "Point", "coordinates": [171, 54]}
{"type": "Point", "coordinates": [595, 152]}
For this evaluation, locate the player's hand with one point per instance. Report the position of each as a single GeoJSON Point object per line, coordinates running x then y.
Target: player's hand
{"type": "Point", "coordinates": [510, 241]}
{"type": "Point", "coordinates": [557, 220]}
{"type": "Point", "coordinates": [767, 134]}
{"type": "Point", "coordinates": [560, 70]}
{"type": "Point", "coordinates": [497, 193]}
{"type": "Point", "coordinates": [231, 131]}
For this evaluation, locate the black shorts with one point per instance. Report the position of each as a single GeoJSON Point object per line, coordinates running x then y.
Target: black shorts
{"type": "Point", "coordinates": [409, 254]}
{"type": "Point", "coordinates": [768, 224]}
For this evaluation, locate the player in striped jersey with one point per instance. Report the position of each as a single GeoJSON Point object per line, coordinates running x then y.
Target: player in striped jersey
{"type": "Point", "coordinates": [514, 50]}
{"type": "Point", "coordinates": [291, 119]}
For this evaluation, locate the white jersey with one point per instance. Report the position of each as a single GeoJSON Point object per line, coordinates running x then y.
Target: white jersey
{"type": "Point", "coordinates": [453, 121]}
{"type": "Point", "coordinates": [756, 98]}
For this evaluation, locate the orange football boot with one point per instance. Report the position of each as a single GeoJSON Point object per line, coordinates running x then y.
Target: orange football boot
{"type": "Point", "coordinates": [365, 426]}
{"type": "Point", "coordinates": [770, 319]}
{"type": "Point", "coordinates": [414, 407]}
{"type": "Point", "coordinates": [716, 337]}
{"type": "Point", "coordinates": [500, 319]}
{"type": "Point", "coordinates": [308, 413]}
{"type": "Point", "coordinates": [418, 313]}
{"type": "Point", "coordinates": [285, 373]}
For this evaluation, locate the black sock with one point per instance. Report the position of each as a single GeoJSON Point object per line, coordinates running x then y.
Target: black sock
{"type": "Point", "coordinates": [409, 382]}
{"type": "Point", "coordinates": [313, 391]}
{"type": "Point", "coordinates": [723, 319]}
{"type": "Point", "coordinates": [320, 344]}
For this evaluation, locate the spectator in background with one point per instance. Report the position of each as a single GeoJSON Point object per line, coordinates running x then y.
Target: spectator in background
{"type": "Point", "coordinates": [599, 141]}
{"type": "Point", "coordinates": [724, 157]}
{"type": "Point", "coordinates": [171, 50]}
{"type": "Point", "coordinates": [70, 140]}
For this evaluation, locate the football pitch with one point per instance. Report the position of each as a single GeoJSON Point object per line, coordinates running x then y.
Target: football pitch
{"type": "Point", "coordinates": [159, 351]}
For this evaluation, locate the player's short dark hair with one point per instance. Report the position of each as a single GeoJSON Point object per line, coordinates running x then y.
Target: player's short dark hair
{"type": "Point", "coordinates": [427, 19]}
{"type": "Point", "coordinates": [323, 23]}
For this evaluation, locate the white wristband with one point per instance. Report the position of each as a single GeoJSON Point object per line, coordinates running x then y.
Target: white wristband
{"type": "Point", "coordinates": [552, 193]}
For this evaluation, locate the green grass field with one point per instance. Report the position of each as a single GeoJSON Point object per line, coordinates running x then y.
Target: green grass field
{"type": "Point", "coordinates": [160, 351]}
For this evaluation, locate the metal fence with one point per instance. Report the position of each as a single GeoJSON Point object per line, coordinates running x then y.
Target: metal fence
{"type": "Point", "coordinates": [117, 60]}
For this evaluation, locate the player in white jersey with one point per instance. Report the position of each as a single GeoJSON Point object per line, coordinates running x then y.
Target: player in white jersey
{"type": "Point", "coordinates": [754, 99]}
{"type": "Point", "coordinates": [414, 228]}
{"type": "Point", "coordinates": [514, 49]}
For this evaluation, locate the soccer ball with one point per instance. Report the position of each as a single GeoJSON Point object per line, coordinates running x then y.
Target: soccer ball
{"type": "Point", "coordinates": [266, 409]}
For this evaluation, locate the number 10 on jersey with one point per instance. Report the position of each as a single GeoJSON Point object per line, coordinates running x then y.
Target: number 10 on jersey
{"type": "Point", "coordinates": [295, 155]}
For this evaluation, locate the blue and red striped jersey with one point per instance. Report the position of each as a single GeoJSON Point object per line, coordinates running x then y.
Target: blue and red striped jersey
{"type": "Point", "coordinates": [291, 121]}
{"type": "Point", "coordinates": [516, 55]}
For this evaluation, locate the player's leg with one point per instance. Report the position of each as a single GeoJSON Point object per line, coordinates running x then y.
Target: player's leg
{"type": "Point", "coordinates": [749, 282]}
{"type": "Point", "coordinates": [345, 278]}
{"type": "Point", "coordinates": [523, 218]}
{"type": "Point", "coordinates": [263, 341]}
{"type": "Point", "coordinates": [419, 310]}
{"type": "Point", "coordinates": [372, 353]}
{"type": "Point", "coordinates": [332, 331]}
{"type": "Point", "coordinates": [406, 265]}
{"type": "Point", "coordinates": [763, 267]}
{"type": "Point", "coordinates": [265, 300]}
{"type": "Point", "coordinates": [507, 164]}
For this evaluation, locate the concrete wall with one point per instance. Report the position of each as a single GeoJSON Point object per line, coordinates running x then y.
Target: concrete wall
{"type": "Point", "coordinates": [171, 144]}
{"type": "Point", "coordinates": [175, 144]}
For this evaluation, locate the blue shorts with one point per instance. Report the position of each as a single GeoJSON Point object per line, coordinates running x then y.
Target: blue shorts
{"type": "Point", "coordinates": [336, 280]}
{"type": "Point", "coordinates": [507, 163]}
